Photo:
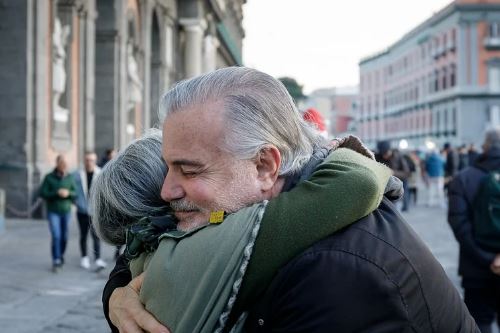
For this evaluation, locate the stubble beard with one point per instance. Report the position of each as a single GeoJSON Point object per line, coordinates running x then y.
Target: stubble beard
{"type": "Point", "coordinates": [233, 199]}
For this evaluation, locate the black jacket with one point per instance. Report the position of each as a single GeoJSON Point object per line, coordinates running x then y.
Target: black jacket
{"type": "Point", "coordinates": [374, 276]}
{"type": "Point", "coordinates": [452, 163]}
{"type": "Point", "coordinates": [474, 261]}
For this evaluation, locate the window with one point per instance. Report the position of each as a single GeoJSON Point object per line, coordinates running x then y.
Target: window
{"type": "Point", "coordinates": [453, 39]}
{"type": "Point", "coordinates": [454, 119]}
{"type": "Point", "coordinates": [494, 29]}
{"type": "Point", "coordinates": [444, 79]}
{"type": "Point", "coordinates": [494, 76]}
{"type": "Point", "coordinates": [453, 70]}
{"type": "Point", "coordinates": [436, 80]}
{"type": "Point", "coordinates": [445, 121]}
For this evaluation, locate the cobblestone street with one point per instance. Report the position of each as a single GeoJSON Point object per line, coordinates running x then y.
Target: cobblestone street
{"type": "Point", "coordinates": [35, 300]}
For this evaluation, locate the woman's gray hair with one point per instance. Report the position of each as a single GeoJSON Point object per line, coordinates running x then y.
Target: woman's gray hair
{"type": "Point", "coordinates": [259, 110]}
{"type": "Point", "coordinates": [128, 188]}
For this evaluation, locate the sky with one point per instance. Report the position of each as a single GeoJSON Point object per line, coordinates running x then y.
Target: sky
{"type": "Point", "coordinates": [320, 42]}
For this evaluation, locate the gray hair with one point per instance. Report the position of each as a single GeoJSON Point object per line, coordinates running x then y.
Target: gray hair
{"type": "Point", "coordinates": [492, 138]}
{"type": "Point", "coordinates": [259, 110]}
{"type": "Point", "coordinates": [128, 188]}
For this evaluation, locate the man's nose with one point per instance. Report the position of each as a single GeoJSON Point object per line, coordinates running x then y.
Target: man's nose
{"type": "Point", "coordinates": [171, 189]}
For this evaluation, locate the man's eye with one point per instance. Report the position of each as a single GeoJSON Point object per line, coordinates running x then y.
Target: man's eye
{"type": "Point", "coordinates": [189, 173]}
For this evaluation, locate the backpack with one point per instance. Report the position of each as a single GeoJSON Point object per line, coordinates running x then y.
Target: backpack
{"type": "Point", "coordinates": [486, 209]}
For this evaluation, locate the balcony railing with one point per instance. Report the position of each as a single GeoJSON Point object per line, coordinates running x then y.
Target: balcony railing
{"type": "Point", "coordinates": [492, 42]}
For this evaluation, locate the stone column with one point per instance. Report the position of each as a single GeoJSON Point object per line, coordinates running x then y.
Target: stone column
{"type": "Point", "coordinates": [194, 29]}
{"type": "Point", "coordinates": [210, 53]}
{"type": "Point", "coordinates": [89, 84]}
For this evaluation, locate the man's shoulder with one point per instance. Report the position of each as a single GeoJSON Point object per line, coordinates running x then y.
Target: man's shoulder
{"type": "Point", "coordinates": [376, 261]}
{"type": "Point", "coordinates": [468, 175]}
{"type": "Point", "coordinates": [382, 240]}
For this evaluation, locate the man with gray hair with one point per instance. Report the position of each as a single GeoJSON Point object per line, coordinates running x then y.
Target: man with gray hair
{"type": "Point", "coordinates": [234, 137]}
{"type": "Point", "coordinates": [474, 216]}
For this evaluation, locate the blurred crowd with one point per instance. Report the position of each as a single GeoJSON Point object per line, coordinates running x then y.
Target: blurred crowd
{"type": "Point", "coordinates": [433, 168]}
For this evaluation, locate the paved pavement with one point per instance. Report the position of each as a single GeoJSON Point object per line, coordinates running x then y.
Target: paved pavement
{"type": "Point", "coordinates": [35, 300]}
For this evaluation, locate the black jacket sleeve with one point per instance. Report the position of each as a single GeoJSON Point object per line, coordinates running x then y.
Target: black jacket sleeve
{"type": "Point", "coordinates": [120, 276]}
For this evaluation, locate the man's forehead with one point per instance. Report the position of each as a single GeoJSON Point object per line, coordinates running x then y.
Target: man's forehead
{"type": "Point", "coordinates": [192, 135]}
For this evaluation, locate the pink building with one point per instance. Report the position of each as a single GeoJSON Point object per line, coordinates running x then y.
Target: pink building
{"type": "Point", "coordinates": [439, 82]}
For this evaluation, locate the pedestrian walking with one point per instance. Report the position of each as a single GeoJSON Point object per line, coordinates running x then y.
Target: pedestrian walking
{"type": "Point", "coordinates": [434, 167]}
{"type": "Point", "coordinates": [399, 166]}
{"type": "Point", "coordinates": [452, 163]}
{"type": "Point", "coordinates": [415, 173]}
{"type": "Point", "coordinates": [474, 216]}
{"type": "Point", "coordinates": [59, 190]}
{"type": "Point", "coordinates": [83, 180]}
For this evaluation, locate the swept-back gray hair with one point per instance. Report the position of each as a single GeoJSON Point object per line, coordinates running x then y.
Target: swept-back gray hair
{"type": "Point", "coordinates": [492, 138]}
{"type": "Point", "coordinates": [258, 109]}
{"type": "Point", "coordinates": [128, 188]}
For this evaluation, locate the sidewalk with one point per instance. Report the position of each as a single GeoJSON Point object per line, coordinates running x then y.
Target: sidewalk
{"type": "Point", "coordinates": [32, 298]}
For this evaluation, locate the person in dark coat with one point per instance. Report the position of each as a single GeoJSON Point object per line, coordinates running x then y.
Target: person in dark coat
{"type": "Point", "coordinates": [374, 276]}
{"type": "Point", "coordinates": [399, 166]}
{"type": "Point", "coordinates": [109, 154]}
{"type": "Point", "coordinates": [478, 267]}
{"type": "Point", "coordinates": [452, 162]}
{"type": "Point", "coordinates": [463, 157]}
{"type": "Point", "coordinates": [473, 154]}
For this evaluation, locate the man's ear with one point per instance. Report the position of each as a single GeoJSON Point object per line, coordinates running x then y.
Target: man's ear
{"type": "Point", "coordinates": [268, 165]}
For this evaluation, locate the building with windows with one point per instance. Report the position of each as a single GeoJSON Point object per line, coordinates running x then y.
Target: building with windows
{"type": "Point", "coordinates": [439, 83]}
{"type": "Point", "coordinates": [86, 75]}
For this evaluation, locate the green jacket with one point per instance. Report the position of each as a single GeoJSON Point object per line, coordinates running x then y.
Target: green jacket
{"type": "Point", "coordinates": [193, 278]}
{"type": "Point", "coordinates": [51, 184]}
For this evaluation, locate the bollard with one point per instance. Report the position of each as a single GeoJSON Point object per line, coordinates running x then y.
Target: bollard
{"type": "Point", "coordinates": [2, 210]}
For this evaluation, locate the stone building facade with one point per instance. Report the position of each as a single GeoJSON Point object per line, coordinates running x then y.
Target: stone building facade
{"type": "Point", "coordinates": [440, 82]}
{"type": "Point", "coordinates": [86, 75]}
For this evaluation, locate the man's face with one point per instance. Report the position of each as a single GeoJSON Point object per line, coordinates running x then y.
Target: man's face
{"type": "Point", "coordinates": [61, 164]}
{"type": "Point", "coordinates": [90, 162]}
{"type": "Point", "coordinates": [202, 177]}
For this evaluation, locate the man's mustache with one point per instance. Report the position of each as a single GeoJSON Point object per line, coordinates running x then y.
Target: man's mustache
{"type": "Point", "coordinates": [184, 206]}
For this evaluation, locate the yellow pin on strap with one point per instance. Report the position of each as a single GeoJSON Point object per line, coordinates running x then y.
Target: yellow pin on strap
{"type": "Point", "coordinates": [216, 217]}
